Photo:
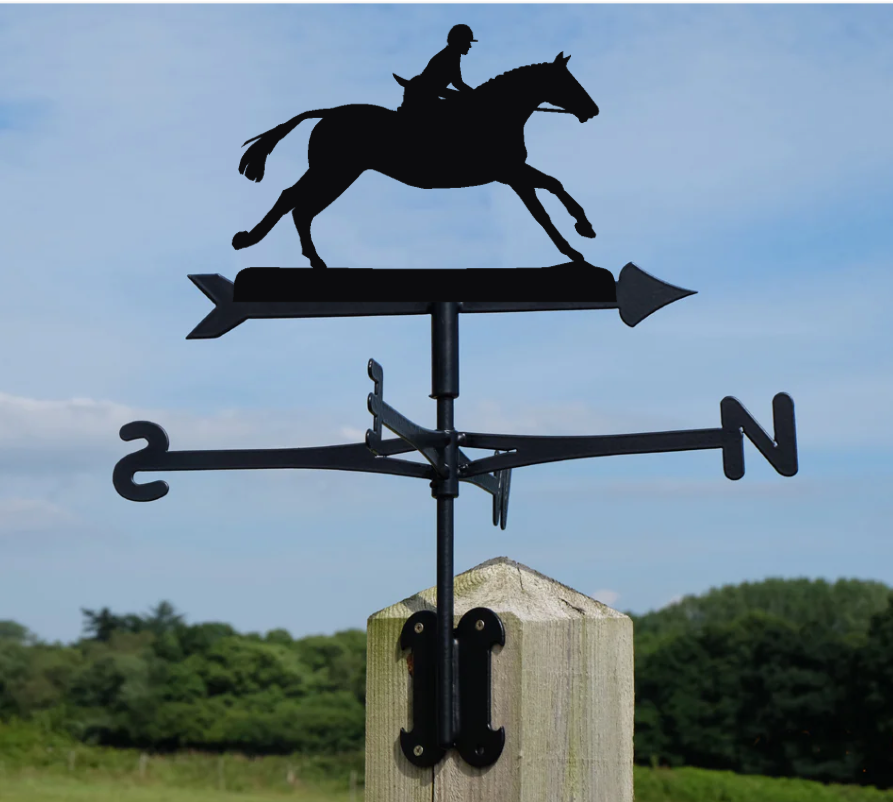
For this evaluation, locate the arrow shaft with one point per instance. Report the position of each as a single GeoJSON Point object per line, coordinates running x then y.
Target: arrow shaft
{"type": "Point", "coordinates": [635, 293]}
{"type": "Point", "coordinates": [472, 307]}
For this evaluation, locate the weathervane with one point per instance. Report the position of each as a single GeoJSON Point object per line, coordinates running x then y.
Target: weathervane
{"type": "Point", "coordinates": [482, 135]}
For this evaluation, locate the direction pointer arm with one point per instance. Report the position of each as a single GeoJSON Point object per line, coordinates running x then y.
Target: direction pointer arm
{"type": "Point", "coordinates": [156, 457]}
{"type": "Point", "coordinates": [780, 450]}
{"type": "Point", "coordinates": [531, 450]}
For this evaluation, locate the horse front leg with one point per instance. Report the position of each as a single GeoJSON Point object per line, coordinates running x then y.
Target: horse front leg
{"type": "Point", "coordinates": [553, 185]}
{"type": "Point", "coordinates": [527, 193]}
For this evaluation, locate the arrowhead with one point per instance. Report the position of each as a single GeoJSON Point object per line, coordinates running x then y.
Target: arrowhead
{"type": "Point", "coordinates": [638, 294]}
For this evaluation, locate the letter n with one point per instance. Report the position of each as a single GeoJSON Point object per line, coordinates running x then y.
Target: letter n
{"type": "Point", "coordinates": [737, 422]}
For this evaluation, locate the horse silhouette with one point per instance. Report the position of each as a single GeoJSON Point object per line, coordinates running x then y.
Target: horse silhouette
{"type": "Point", "coordinates": [472, 140]}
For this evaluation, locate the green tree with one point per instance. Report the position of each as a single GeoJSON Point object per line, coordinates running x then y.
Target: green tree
{"type": "Point", "coordinates": [871, 689]}
{"type": "Point", "coordinates": [759, 695]}
{"type": "Point", "coordinates": [17, 633]}
{"type": "Point", "coordinates": [100, 626]}
{"type": "Point", "coordinates": [338, 660]}
{"type": "Point", "coordinates": [200, 638]}
{"type": "Point", "coordinates": [13, 672]}
{"type": "Point", "coordinates": [842, 608]}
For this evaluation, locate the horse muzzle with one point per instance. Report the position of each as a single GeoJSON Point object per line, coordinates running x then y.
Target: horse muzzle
{"type": "Point", "coordinates": [586, 117]}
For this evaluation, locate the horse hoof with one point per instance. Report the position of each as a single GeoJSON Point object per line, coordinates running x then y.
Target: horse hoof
{"type": "Point", "coordinates": [585, 230]}
{"type": "Point", "coordinates": [241, 240]}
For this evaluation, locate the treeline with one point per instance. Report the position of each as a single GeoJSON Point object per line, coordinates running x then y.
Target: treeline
{"type": "Point", "coordinates": [156, 683]}
{"type": "Point", "coordinates": [780, 678]}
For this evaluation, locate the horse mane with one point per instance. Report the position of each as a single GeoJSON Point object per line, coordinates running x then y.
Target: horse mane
{"type": "Point", "coordinates": [508, 79]}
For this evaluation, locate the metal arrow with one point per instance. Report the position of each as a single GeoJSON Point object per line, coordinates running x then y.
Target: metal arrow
{"type": "Point", "coordinates": [637, 295]}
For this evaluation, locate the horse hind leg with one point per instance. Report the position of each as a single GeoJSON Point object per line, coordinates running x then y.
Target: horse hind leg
{"type": "Point", "coordinates": [322, 189]}
{"type": "Point", "coordinates": [286, 202]}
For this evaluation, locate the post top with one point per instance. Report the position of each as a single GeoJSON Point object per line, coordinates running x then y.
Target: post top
{"type": "Point", "coordinates": [507, 586]}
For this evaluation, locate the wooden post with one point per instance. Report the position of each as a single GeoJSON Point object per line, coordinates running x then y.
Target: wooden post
{"type": "Point", "coordinates": [144, 759]}
{"type": "Point", "coordinates": [562, 686]}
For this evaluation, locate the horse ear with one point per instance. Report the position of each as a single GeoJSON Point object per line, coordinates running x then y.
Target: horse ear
{"type": "Point", "coordinates": [567, 59]}
{"type": "Point", "coordinates": [559, 57]}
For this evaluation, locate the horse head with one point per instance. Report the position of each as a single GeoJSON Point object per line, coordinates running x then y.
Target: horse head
{"type": "Point", "coordinates": [565, 91]}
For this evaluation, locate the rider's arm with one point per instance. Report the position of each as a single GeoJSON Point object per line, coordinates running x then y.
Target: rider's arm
{"type": "Point", "coordinates": [457, 79]}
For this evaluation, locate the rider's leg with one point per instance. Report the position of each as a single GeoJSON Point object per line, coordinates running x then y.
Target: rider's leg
{"type": "Point", "coordinates": [553, 185]}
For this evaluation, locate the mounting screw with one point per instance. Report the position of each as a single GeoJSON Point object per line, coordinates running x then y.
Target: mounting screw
{"type": "Point", "coordinates": [478, 625]}
{"type": "Point", "coordinates": [419, 628]}
{"type": "Point", "coordinates": [417, 751]}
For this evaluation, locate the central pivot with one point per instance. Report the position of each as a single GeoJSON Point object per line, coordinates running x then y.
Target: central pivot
{"type": "Point", "coordinates": [451, 667]}
{"type": "Point", "coordinates": [445, 389]}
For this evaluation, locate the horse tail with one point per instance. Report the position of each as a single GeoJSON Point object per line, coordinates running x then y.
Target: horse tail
{"type": "Point", "coordinates": [254, 159]}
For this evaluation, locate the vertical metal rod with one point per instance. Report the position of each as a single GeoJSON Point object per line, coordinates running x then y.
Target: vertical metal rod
{"type": "Point", "coordinates": [445, 388]}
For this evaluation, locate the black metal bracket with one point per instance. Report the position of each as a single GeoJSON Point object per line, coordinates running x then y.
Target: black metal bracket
{"type": "Point", "coordinates": [430, 444]}
{"type": "Point", "coordinates": [427, 442]}
{"type": "Point", "coordinates": [479, 745]}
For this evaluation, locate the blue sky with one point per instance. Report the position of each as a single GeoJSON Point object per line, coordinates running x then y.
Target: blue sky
{"type": "Point", "coordinates": [741, 151]}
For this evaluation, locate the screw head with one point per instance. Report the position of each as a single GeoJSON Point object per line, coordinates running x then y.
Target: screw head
{"type": "Point", "coordinates": [419, 628]}
{"type": "Point", "coordinates": [478, 625]}
{"type": "Point", "coordinates": [417, 751]}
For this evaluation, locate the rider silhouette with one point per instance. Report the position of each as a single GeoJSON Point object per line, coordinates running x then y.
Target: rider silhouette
{"type": "Point", "coordinates": [426, 89]}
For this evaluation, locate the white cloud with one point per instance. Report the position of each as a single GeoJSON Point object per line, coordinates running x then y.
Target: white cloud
{"type": "Point", "coordinates": [24, 516]}
{"type": "Point", "coordinates": [567, 419]}
{"type": "Point", "coordinates": [606, 596]}
{"type": "Point", "coordinates": [352, 434]}
{"type": "Point", "coordinates": [81, 434]}
{"type": "Point", "coordinates": [687, 488]}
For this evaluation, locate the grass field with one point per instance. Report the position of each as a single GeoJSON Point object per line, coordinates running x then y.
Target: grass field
{"type": "Point", "coordinates": [661, 785]}
{"type": "Point", "coordinates": [41, 766]}
{"type": "Point", "coordinates": [63, 789]}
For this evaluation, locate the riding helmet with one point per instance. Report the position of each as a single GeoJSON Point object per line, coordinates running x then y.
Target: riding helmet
{"type": "Point", "coordinates": [459, 34]}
